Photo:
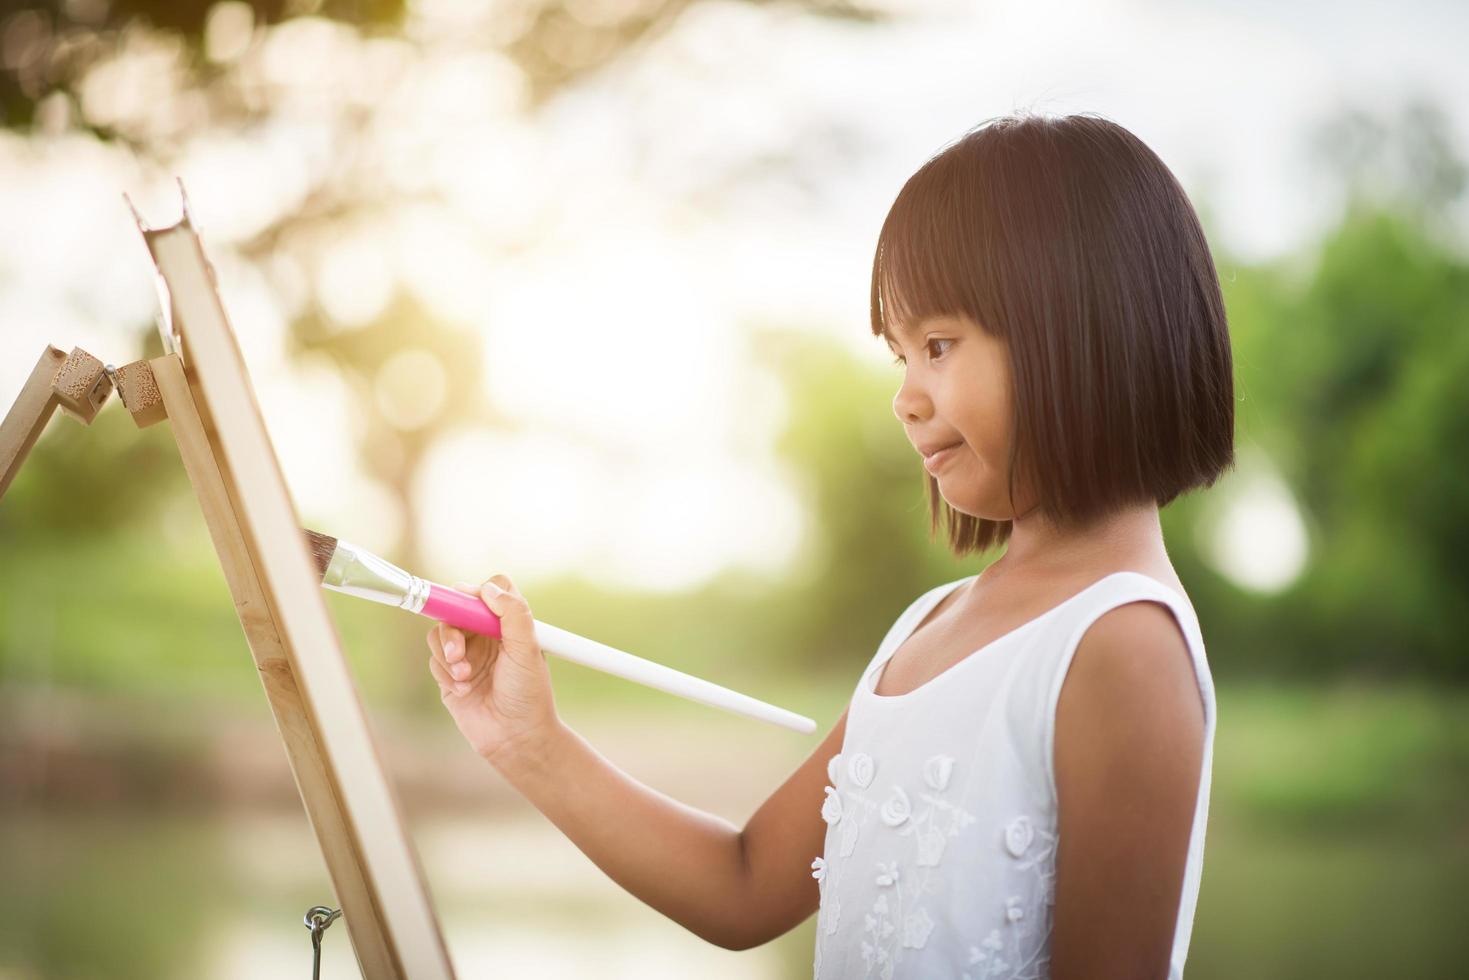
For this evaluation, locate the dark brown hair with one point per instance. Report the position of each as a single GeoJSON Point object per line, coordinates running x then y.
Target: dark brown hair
{"type": "Point", "coordinates": [1072, 241]}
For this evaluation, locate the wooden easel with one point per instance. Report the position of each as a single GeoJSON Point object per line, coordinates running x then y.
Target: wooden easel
{"type": "Point", "coordinates": [200, 385]}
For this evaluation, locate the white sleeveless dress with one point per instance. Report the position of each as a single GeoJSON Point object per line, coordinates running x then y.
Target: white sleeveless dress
{"type": "Point", "coordinates": [940, 848]}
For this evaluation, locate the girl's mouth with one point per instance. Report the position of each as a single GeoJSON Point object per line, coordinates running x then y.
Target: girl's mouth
{"type": "Point", "coordinates": [940, 459]}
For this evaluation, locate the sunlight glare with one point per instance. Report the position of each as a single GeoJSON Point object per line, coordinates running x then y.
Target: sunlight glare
{"type": "Point", "coordinates": [1256, 537]}
{"type": "Point", "coordinates": [410, 388]}
{"type": "Point", "coordinates": [612, 339]}
{"type": "Point", "coordinates": [354, 280]}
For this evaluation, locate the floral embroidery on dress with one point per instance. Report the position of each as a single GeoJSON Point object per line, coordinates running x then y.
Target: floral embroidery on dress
{"type": "Point", "coordinates": [936, 771]}
{"type": "Point", "coordinates": [850, 830]}
{"type": "Point", "coordinates": [831, 907]}
{"type": "Point", "coordinates": [901, 918]}
{"type": "Point", "coordinates": [916, 928]}
{"type": "Point", "coordinates": [1018, 835]}
{"type": "Point", "coordinates": [896, 809]}
{"type": "Point", "coordinates": [878, 924]}
{"type": "Point", "coordinates": [985, 955]}
{"type": "Point", "coordinates": [1022, 950]}
{"type": "Point", "coordinates": [896, 920]}
{"type": "Point", "coordinates": [931, 843]}
{"type": "Point", "coordinates": [831, 810]}
{"type": "Point", "coordinates": [835, 915]}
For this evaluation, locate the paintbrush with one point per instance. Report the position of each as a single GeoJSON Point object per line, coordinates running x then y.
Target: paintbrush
{"type": "Point", "coordinates": [347, 568]}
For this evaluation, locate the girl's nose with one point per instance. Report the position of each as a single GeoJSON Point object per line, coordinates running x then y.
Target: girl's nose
{"type": "Point", "coordinates": [909, 403]}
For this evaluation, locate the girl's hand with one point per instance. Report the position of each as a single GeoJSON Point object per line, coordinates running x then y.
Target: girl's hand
{"type": "Point", "coordinates": [498, 691]}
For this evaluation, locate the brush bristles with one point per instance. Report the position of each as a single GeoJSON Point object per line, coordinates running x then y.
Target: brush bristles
{"type": "Point", "coordinates": [323, 546]}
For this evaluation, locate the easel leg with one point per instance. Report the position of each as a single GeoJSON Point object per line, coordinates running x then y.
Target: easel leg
{"type": "Point", "coordinates": [28, 416]}
{"type": "Point", "coordinates": [339, 843]}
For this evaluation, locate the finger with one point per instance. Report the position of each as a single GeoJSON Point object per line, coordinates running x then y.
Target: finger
{"type": "Point", "coordinates": [457, 667]}
{"type": "Point", "coordinates": [482, 651]}
{"type": "Point", "coordinates": [453, 644]}
{"type": "Point", "coordinates": [436, 643]}
{"type": "Point", "coordinates": [455, 654]}
{"type": "Point", "coordinates": [447, 684]}
{"type": "Point", "coordinates": [440, 634]}
{"type": "Point", "coordinates": [517, 627]}
{"type": "Point", "coordinates": [503, 582]}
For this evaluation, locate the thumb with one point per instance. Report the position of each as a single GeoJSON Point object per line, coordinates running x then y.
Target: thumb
{"type": "Point", "coordinates": [517, 627]}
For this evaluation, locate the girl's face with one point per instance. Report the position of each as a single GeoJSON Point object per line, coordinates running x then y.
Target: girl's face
{"type": "Point", "coordinates": [956, 389]}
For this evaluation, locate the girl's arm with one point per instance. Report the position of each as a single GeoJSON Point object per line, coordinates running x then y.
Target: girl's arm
{"type": "Point", "coordinates": [735, 888]}
{"type": "Point", "coordinates": [1128, 756]}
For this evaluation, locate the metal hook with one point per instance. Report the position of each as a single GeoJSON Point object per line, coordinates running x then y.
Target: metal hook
{"type": "Point", "coordinates": [317, 918]}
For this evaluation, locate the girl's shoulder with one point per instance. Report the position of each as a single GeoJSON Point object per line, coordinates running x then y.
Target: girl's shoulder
{"type": "Point", "coordinates": [1130, 621]}
{"type": "Point", "coordinates": [1139, 643]}
{"type": "Point", "coordinates": [1131, 649]}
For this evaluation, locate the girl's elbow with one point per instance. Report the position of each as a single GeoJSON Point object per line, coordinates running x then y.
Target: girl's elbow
{"type": "Point", "coordinates": [738, 939]}
{"type": "Point", "coordinates": [750, 934]}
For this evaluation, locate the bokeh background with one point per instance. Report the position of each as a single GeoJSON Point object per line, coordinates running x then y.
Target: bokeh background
{"type": "Point", "coordinates": [575, 290]}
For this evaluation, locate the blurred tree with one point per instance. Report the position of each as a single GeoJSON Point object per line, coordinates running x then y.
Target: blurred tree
{"type": "Point", "coordinates": [154, 75]}
{"type": "Point", "coordinates": [48, 48]}
{"type": "Point", "coordinates": [1369, 370]}
{"type": "Point", "coordinates": [391, 446]}
{"type": "Point", "coordinates": [48, 51]}
{"type": "Point", "coordinates": [1356, 374]}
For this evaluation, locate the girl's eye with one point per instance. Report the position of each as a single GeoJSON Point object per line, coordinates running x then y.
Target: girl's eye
{"type": "Point", "coordinates": [899, 359]}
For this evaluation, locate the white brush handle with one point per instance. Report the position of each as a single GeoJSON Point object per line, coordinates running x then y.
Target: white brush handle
{"type": "Point", "coordinates": [599, 656]}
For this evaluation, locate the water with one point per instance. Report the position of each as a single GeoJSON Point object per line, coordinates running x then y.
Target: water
{"type": "Point", "coordinates": [222, 896]}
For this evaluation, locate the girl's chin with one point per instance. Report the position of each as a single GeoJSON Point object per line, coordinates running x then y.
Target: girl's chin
{"type": "Point", "coordinates": [977, 505]}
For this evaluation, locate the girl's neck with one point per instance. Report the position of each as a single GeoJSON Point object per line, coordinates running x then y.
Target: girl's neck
{"type": "Point", "coordinates": [1037, 545]}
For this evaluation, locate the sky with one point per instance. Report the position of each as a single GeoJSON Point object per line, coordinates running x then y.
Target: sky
{"type": "Point", "coordinates": [614, 250]}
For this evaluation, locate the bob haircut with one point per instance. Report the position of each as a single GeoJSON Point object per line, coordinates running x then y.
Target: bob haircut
{"type": "Point", "coordinates": [1070, 239]}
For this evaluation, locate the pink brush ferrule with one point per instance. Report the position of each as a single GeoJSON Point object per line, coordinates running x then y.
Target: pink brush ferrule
{"type": "Point", "coordinates": [468, 612]}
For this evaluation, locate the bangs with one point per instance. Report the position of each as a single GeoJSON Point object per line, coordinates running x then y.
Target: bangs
{"type": "Point", "coordinates": [933, 255]}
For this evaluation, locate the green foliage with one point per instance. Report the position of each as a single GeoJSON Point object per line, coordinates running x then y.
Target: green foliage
{"type": "Point", "coordinates": [1350, 380]}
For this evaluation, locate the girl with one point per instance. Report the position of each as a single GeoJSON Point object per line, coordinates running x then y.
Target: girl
{"type": "Point", "coordinates": [1019, 784]}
